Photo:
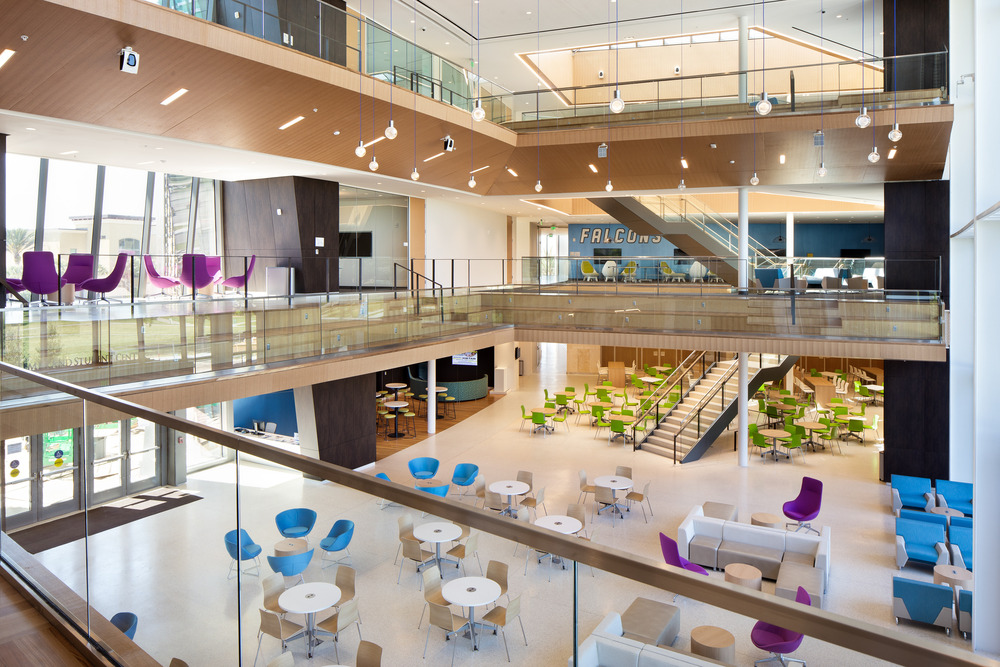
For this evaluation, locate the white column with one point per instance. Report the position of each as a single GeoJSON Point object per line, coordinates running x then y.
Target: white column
{"type": "Point", "coordinates": [431, 396]}
{"type": "Point", "coordinates": [743, 411]}
{"type": "Point", "coordinates": [744, 62]}
{"type": "Point", "coordinates": [743, 242]}
{"type": "Point", "coordinates": [789, 234]}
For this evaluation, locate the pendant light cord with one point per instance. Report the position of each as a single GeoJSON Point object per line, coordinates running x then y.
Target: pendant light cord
{"type": "Point", "coordinates": [895, 66]}
{"type": "Point", "coordinates": [392, 71]}
{"type": "Point", "coordinates": [822, 90]}
{"type": "Point", "coordinates": [416, 84]}
{"type": "Point", "coordinates": [538, 116]}
{"type": "Point", "coordinates": [873, 78]}
{"type": "Point", "coordinates": [863, 54]}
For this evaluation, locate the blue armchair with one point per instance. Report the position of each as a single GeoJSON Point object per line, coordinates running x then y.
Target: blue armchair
{"type": "Point", "coordinates": [964, 610]}
{"type": "Point", "coordinates": [465, 476]}
{"type": "Point", "coordinates": [913, 492]}
{"type": "Point", "coordinates": [926, 517]}
{"type": "Point", "coordinates": [920, 541]}
{"type": "Point", "coordinates": [956, 495]}
{"type": "Point", "coordinates": [441, 490]}
{"type": "Point", "coordinates": [960, 544]}
{"type": "Point", "coordinates": [922, 601]}
{"type": "Point", "coordinates": [337, 540]}
{"type": "Point", "coordinates": [127, 622]}
{"type": "Point", "coordinates": [291, 566]}
{"type": "Point", "coordinates": [296, 522]}
{"type": "Point", "coordinates": [245, 550]}
{"type": "Point", "coordinates": [424, 467]}
{"type": "Point", "coordinates": [963, 521]}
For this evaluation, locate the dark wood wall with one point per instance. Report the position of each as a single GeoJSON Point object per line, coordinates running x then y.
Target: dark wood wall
{"type": "Point", "coordinates": [345, 420]}
{"type": "Point", "coordinates": [313, 28]}
{"type": "Point", "coordinates": [253, 226]}
{"type": "Point", "coordinates": [916, 393]}
{"type": "Point", "coordinates": [919, 26]}
{"type": "Point", "coordinates": [3, 208]}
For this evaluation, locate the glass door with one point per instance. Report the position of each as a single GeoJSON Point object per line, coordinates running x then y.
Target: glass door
{"type": "Point", "coordinates": [59, 472]}
{"type": "Point", "coordinates": [144, 466]}
{"type": "Point", "coordinates": [108, 463]}
{"type": "Point", "coordinates": [41, 478]}
{"type": "Point", "coordinates": [18, 483]}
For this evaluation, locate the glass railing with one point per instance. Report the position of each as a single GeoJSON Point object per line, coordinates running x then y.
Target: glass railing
{"type": "Point", "coordinates": [162, 556]}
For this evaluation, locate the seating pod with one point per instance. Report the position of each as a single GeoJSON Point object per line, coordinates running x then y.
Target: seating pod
{"type": "Point", "coordinates": [960, 545]}
{"type": "Point", "coordinates": [926, 517]}
{"type": "Point", "coordinates": [921, 542]}
{"type": "Point", "coordinates": [912, 492]}
{"type": "Point", "coordinates": [964, 610]}
{"type": "Point", "coordinates": [956, 495]}
{"type": "Point", "coordinates": [607, 646]}
{"type": "Point", "coordinates": [922, 601]}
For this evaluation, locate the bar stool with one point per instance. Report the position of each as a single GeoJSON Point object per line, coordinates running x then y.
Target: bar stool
{"type": "Point", "coordinates": [449, 401]}
{"type": "Point", "coordinates": [410, 422]}
{"type": "Point", "coordinates": [422, 403]}
{"type": "Point", "coordinates": [389, 420]}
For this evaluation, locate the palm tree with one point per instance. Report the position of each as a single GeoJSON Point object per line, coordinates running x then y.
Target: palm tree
{"type": "Point", "coordinates": [19, 239]}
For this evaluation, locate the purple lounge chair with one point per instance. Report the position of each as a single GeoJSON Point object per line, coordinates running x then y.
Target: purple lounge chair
{"type": "Point", "coordinates": [806, 506]}
{"type": "Point", "coordinates": [779, 640]}
{"type": "Point", "coordinates": [673, 557]}
{"type": "Point", "coordinates": [196, 272]}
{"type": "Point", "coordinates": [109, 282]}
{"type": "Point", "coordinates": [239, 281]}
{"type": "Point", "coordinates": [39, 275]}
{"type": "Point", "coordinates": [155, 279]}
{"type": "Point", "coordinates": [79, 267]}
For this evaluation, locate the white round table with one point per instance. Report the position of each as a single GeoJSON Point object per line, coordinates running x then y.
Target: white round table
{"type": "Point", "coordinates": [396, 406]}
{"type": "Point", "coordinates": [471, 592]}
{"type": "Point", "coordinates": [437, 532]}
{"type": "Point", "coordinates": [308, 599]}
{"type": "Point", "coordinates": [438, 404]}
{"type": "Point", "coordinates": [509, 488]}
{"type": "Point", "coordinates": [615, 483]}
{"type": "Point", "coordinates": [566, 525]}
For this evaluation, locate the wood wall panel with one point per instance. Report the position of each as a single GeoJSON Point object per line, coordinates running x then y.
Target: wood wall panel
{"type": "Point", "coordinates": [919, 26]}
{"type": "Point", "coordinates": [345, 420]}
{"type": "Point", "coordinates": [317, 206]}
{"type": "Point", "coordinates": [3, 206]}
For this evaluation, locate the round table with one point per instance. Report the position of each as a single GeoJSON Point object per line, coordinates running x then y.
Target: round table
{"type": "Point", "coordinates": [560, 523]}
{"type": "Point", "coordinates": [395, 405]}
{"type": "Point", "coordinates": [395, 387]}
{"type": "Point", "coordinates": [471, 592]}
{"type": "Point", "coordinates": [709, 641]}
{"type": "Point", "coordinates": [811, 427]}
{"type": "Point", "coordinates": [308, 599]}
{"type": "Point", "coordinates": [766, 520]}
{"type": "Point", "coordinates": [291, 546]}
{"type": "Point", "coordinates": [649, 380]}
{"type": "Point", "coordinates": [775, 434]}
{"type": "Point", "coordinates": [605, 405]}
{"type": "Point", "coordinates": [744, 575]}
{"type": "Point", "coordinates": [947, 512]}
{"type": "Point", "coordinates": [437, 532]}
{"type": "Point", "coordinates": [874, 387]}
{"type": "Point", "coordinates": [615, 483]}
{"type": "Point", "coordinates": [952, 575]}
{"type": "Point", "coordinates": [509, 488]}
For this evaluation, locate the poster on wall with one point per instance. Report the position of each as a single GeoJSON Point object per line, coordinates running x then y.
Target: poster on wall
{"type": "Point", "coordinates": [465, 359]}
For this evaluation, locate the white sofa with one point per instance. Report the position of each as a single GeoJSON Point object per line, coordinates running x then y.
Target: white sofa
{"type": "Point", "coordinates": [606, 647]}
{"type": "Point", "coordinates": [716, 543]}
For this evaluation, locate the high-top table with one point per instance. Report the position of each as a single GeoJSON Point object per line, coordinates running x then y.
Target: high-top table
{"type": "Point", "coordinates": [395, 387]}
{"type": "Point", "coordinates": [437, 532]}
{"type": "Point", "coordinates": [471, 592]}
{"type": "Point", "coordinates": [308, 599]}
{"type": "Point", "coordinates": [509, 488]}
{"type": "Point", "coordinates": [775, 434]}
{"type": "Point", "coordinates": [396, 406]}
{"type": "Point", "coordinates": [616, 483]}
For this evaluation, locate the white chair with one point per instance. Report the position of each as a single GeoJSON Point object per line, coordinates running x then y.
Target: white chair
{"type": "Point", "coordinates": [610, 271]}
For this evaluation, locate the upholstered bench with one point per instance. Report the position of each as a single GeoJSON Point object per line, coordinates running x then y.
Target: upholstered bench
{"type": "Point", "coordinates": [793, 574]}
{"type": "Point", "coordinates": [651, 622]}
{"type": "Point", "coordinates": [722, 511]}
{"type": "Point", "coordinates": [761, 547]}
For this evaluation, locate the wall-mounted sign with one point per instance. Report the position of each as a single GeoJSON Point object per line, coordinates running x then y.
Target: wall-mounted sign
{"type": "Point", "coordinates": [614, 234]}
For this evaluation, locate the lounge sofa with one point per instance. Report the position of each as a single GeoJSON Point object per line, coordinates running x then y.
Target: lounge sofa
{"type": "Point", "coordinates": [715, 543]}
{"type": "Point", "coordinates": [964, 610]}
{"type": "Point", "coordinates": [921, 542]}
{"type": "Point", "coordinates": [960, 545]}
{"type": "Point", "coordinates": [922, 601]}
{"type": "Point", "coordinates": [912, 492]}
{"type": "Point", "coordinates": [606, 646]}
{"type": "Point", "coordinates": [956, 495]}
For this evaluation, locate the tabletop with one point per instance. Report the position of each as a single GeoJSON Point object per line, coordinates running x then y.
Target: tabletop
{"type": "Point", "coordinates": [471, 591]}
{"type": "Point", "coordinates": [548, 412]}
{"type": "Point", "coordinates": [395, 405]}
{"type": "Point", "coordinates": [662, 369]}
{"type": "Point", "coordinates": [396, 385]}
{"type": "Point", "coordinates": [812, 426]}
{"type": "Point", "coordinates": [615, 482]}
{"type": "Point", "coordinates": [437, 531]}
{"type": "Point", "coordinates": [309, 598]}
{"type": "Point", "coordinates": [874, 387]}
{"type": "Point", "coordinates": [567, 394]}
{"type": "Point", "coordinates": [566, 525]}
{"type": "Point", "coordinates": [603, 404]}
{"type": "Point", "coordinates": [509, 487]}
{"type": "Point", "coordinates": [291, 546]}
{"type": "Point", "coordinates": [774, 433]}
{"type": "Point", "coordinates": [649, 380]}
{"type": "Point", "coordinates": [440, 390]}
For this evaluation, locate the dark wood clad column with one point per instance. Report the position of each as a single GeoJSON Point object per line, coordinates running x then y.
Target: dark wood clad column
{"type": "Point", "coordinates": [3, 208]}
{"type": "Point", "coordinates": [345, 420]}
{"type": "Point", "coordinates": [309, 209]}
{"type": "Point", "coordinates": [916, 392]}
{"type": "Point", "coordinates": [921, 26]}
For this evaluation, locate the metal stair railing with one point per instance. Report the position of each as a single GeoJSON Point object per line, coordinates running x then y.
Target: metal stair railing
{"type": "Point", "coordinates": [682, 373]}
{"type": "Point", "coordinates": [416, 291]}
{"type": "Point", "coordinates": [695, 413]}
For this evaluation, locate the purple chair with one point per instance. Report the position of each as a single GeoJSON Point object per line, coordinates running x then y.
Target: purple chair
{"type": "Point", "coordinates": [239, 281]}
{"type": "Point", "coordinates": [214, 265]}
{"type": "Point", "coordinates": [195, 271]}
{"type": "Point", "coordinates": [673, 557]}
{"type": "Point", "coordinates": [155, 279]}
{"type": "Point", "coordinates": [806, 506]}
{"type": "Point", "coordinates": [39, 275]}
{"type": "Point", "coordinates": [779, 640]}
{"type": "Point", "coordinates": [108, 282]}
{"type": "Point", "coordinates": [80, 267]}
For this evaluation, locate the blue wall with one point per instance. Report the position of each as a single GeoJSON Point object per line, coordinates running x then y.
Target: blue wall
{"type": "Point", "coordinates": [617, 235]}
{"type": "Point", "coordinates": [822, 240]}
{"type": "Point", "coordinates": [278, 407]}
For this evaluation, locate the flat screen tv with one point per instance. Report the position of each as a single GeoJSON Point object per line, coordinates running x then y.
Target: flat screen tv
{"type": "Point", "coordinates": [355, 244]}
{"type": "Point", "coordinates": [607, 252]}
{"type": "Point", "coordinates": [465, 359]}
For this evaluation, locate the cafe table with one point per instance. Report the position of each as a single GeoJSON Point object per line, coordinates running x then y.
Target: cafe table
{"type": "Point", "coordinates": [616, 483]}
{"type": "Point", "coordinates": [775, 434]}
{"type": "Point", "coordinates": [469, 593]}
{"type": "Point", "coordinates": [308, 599]}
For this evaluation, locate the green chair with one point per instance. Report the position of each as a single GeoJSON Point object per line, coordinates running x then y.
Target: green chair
{"type": "Point", "coordinates": [525, 417]}
{"type": "Point", "coordinates": [788, 400]}
{"type": "Point", "coordinates": [599, 420]}
{"type": "Point", "coordinates": [562, 403]}
{"type": "Point", "coordinates": [547, 395]}
{"type": "Point", "coordinates": [587, 391]}
{"type": "Point", "coordinates": [761, 409]}
{"type": "Point", "coordinates": [617, 428]}
{"type": "Point", "coordinates": [561, 419]}
{"type": "Point", "coordinates": [874, 427]}
{"type": "Point", "coordinates": [833, 435]}
{"type": "Point", "coordinates": [854, 427]}
{"type": "Point", "coordinates": [760, 442]}
{"type": "Point", "coordinates": [603, 396]}
{"type": "Point", "coordinates": [792, 443]}
{"type": "Point", "coordinates": [539, 421]}
{"type": "Point", "coordinates": [582, 410]}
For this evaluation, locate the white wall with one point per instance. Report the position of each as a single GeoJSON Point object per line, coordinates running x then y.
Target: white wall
{"type": "Point", "coordinates": [503, 357]}
{"type": "Point", "coordinates": [460, 232]}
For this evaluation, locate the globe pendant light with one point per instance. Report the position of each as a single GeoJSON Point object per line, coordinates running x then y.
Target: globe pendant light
{"type": "Point", "coordinates": [415, 175]}
{"type": "Point", "coordinates": [895, 134]}
{"type": "Point", "coordinates": [763, 107]}
{"type": "Point", "coordinates": [472, 181]}
{"type": "Point", "coordinates": [538, 186]}
{"type": "Point", "coordinates": [609, 187]}
{"type": "Point", "coordinates": [538, 127]}
{"type": "Point", "coordinates": [863, 120]}
{"type": "Point", "coordinates": [821, 172]}
{"type": "Point", "coordinates": [360, 150]}
{"type": "Point", "coordinates": [617, 104]}
{"type": "Point", "coordinates": [754, 180]}
{"type": "Point", "coordinates": [478, 113]}
{"type": "Point", "coordinates": [373, 165]}
{"type": "Point", "coordinates": [681, 186]}
{"type": "Point", "coordinates": [390, 132]}
{"type": "Point", "coordinates": [873, 157]}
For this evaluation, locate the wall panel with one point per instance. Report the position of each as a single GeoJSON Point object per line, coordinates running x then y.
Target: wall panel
{"type": "Point", "coordinates": [345, 420]}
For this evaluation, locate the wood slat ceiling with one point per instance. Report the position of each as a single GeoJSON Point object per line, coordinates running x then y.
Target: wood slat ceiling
{"type": "Point", "coordinates": [243, 88]}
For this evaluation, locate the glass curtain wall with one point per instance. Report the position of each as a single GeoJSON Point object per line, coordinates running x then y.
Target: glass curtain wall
{"type": "Point", "coordinates": [22, 202]}
{"type": "Point", "coordinates": [373, 232]}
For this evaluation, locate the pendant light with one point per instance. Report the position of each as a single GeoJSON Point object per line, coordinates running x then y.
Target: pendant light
{"type": "Point", "coordinates": [894, 134]}
{"type": "Point", "coordinates": [608, 187]}
{"type": "Point", "coordinates": [390, 130]}
{"type": "Point", "coordinates": [684, 162]}
{"type": "Point", "coordinates": [472, 123]}
{"type": "Point", "coordinates": [863, 120]}
{"type": "Point", "coordinates": [821, 172]}
{"type": "Point", "coordinates": [873, 157]}
{"type": "Point", "coordinates": [478, 113]}
{"type": "Point", "coordinates": [538, 127]}
{"type": "Point", "coordinates": [617, 103]}
{"type": "Point", "coordinates": [360, 150]}
{"type": "Point", "coordinates": [414, 175]}
{"type": "Point", "coordinates": [763, 107]}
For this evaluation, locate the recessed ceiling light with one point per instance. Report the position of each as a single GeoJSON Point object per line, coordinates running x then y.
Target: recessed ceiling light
{"type": "Point", "coordinates": [892, 153]}
{"type": "Point", "coordinates": [446, 44]}
{"type": "Point", "coordinates": [511, 172]}
{"type": "Point", "coordinates": [434, 156]}
{"type": "Point", "coordinates": [711, 145]}
{"type": "Point", "coordinates": [141, 164]}
{"type": "Point", "coordinates": [529, 12]}
{"type": "Point", "coordinates": [592, 168]}
{"type": "Point", "coordinates": [291, 122]}
{"type": "Point", "coordinates": [781, 159]}
{"type": "Point", "coordinates": [684, 163]}
{"type": "Point", "coordinates": [336, 133]}
{"type": "Point", "coordinates": [840, 16]}
{"type": "Point", "coordinates": [174, 96]}
{"type": "Point", "coordinates": [30, 129]}
{"type": "Point", "coordinates": [732, 162]}
{"type": "Point", "coordinates": [5, 56]}
{"type": "Point", "coordinates": [474, 171]}
{"type": "Point", "coordinates": [69, 152]}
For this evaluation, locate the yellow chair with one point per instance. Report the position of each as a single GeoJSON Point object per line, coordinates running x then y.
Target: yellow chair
{"type": "Point", "coordinates": [628, 273]}
{"type": "Point", "coordinates": [588, 271]}
{"type": "Point", "coordinates": [668, 273]}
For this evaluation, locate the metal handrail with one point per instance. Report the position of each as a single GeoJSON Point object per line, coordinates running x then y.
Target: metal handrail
{"type": "Point", "coordinates": [417, 290]}
{"type": "Point", "coordinates": [663, 390]}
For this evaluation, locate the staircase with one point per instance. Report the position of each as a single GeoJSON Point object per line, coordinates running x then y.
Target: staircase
{"type": "Point", "coordinates": [709, 407]}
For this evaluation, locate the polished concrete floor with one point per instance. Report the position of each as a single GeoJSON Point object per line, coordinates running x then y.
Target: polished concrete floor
{"type": "Point", "coordinates": [170, 569]}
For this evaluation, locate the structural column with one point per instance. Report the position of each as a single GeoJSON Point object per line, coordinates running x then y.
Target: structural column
{"type": "Point", "coordinates": [744, 62]}
{"type": "Point", "coordinates": [743, 407]}
{"type": "Point", "coordinates": [431, 396]}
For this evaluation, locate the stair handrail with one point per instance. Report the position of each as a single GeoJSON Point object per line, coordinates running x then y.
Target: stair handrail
{"type": "Point", "coordinates": [664, 389]}
{"type": "Point", "coordinates": [440, 286]}
{"type": "Point", "coordinates": [720, 385]}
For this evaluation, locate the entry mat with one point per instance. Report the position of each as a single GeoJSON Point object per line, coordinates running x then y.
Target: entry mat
{"type": "Point", "coordinates": [51, 534]}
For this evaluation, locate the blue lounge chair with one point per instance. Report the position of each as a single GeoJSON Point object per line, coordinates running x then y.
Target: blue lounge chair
{"type": "Point", "coordinates": [296, 522]}
{"type": "Point", "coordinates": [912, 492]}
{"type": "Point", "coordinates": [922, 601]}
{"type": "Point", "coordinates": [921, 542]}
{"type": "Point", "coordinates": [956, 495]}
{"type": "Point", "coordinates": [245, 550]}
{"type": "Point", "coordinates": [337, 540]}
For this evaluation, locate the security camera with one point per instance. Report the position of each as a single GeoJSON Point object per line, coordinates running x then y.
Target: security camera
{"type": "Point", "coordinates": [423, 30]}
{"type": "Point", "coordinates": [600, 74]}
{"type": "Point", "coordinates": [677, 69]}
{"type": "Point", "coordinates": [128, 60]}
{"type": "Point", "coordinates": [449, 143]}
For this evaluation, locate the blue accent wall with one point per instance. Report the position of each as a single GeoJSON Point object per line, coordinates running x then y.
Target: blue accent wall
{"type": "Point", "coordinates": [278, 407]}
{"type": "Point", "coordinates": [585, 239]}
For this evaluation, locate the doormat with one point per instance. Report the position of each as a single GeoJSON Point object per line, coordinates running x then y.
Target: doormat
{"type": "Point", "coordinates": [51, 534]}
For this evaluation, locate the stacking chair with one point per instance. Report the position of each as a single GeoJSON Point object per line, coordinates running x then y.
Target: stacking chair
{"type": "Point", "coordinates": [500, 617]}
{"type": "Point", "coordinates": [432, 590]}
{"type": "Point", "coordinates": [588, 392]}
{"type": "Point", "coordinates": [480, 490]}
{"type": "Point", "coordinates": [369, 654]}
{"type": "Point", "coordinates": [405, 533]}
{"type": "Point", "coordinates": [793, 442]}
{"type": "Point", "coordinates": [337, 540]}
{"type": "Point", "coordinates": [493, 501]}
{"type": "Point", "coordinates": [460, 551]}
{"type": "Point", "coordinates": [343, 619]}
{"type": "Point", "coordinates": [274, 626]}
{"type": "Point", "coordinates": [623, 471]}
{"type": "Point", "coordinates": [582, 410]}
{"type": "Point", "coordinates": [525, 417]}
{"type": "Point", "coordinates": [601, 423]}
{"type": "Point", "coordinates": [412, 551]}
{"type": "Point", "coordinates": [560, 418]}
{"type": "Point", "coordinates": [539, 421]}
{"type": "Point", "coordinates": [497, 571]}
{"type": "Point", "coordinates": [636, 497]}
{"type": "Point", "coordinates": [584, 487]}
{"type": "Point", "coordinates": [346, 581]}
{"type": "Point", "coordinates": [579, 512]}
{"type": "Point", "coordinates": [533, 503]}
{"type": "Point", "coordinates": [528, 478]}
{"type": "Point", "coordinates": [452, 624]}
{"type": "Point", "coordinates": [273, 586]}
{"type": "Point", "coordinates": [605, 498]}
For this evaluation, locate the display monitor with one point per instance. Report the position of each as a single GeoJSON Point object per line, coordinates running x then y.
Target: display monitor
{"type": "Point", "coordinates": [465, 359]}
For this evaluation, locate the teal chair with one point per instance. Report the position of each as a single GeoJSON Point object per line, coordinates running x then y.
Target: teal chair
{"type": "Point", "coordinates": [291, 566]}
{"type": "Point", "coordinates": [297, 522]}
{"type": "Point", "coordinates": [922, 601]}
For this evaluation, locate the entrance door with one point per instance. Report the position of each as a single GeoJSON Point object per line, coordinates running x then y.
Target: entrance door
{"type": "Point", "coordinates": [143, 460]}
{"type": "Point", "coordinates": [41, 477]}
{"type": "Point", "coordinates": [126, 459]}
